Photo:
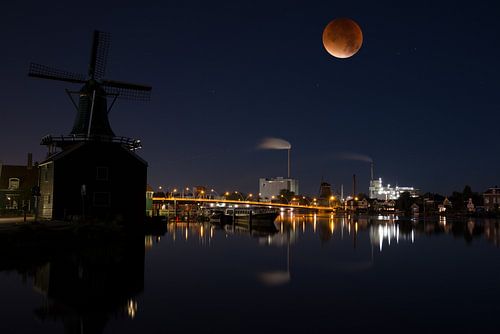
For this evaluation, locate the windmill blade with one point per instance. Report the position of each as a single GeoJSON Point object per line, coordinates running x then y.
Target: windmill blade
{"type": "Point", "coordinates": [125, 85]}
{"type": "Point", "coordinates": [46, 72]}
{"type": "Point", "coordinates": [128, 94]}
{"type": "Point", "coordinates": [128, 91]}
{"type": "Point", "coordinates": [99, 54]}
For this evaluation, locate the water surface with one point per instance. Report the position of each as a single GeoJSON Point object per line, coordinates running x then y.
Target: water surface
{"type": "Point", "coordinates": [305, 273]}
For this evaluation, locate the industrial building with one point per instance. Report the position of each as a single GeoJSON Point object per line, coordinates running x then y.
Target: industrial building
{"type": "Point", "coordinates": [269, 187]}
{"type": "Point", "coordinates": [379, 192]}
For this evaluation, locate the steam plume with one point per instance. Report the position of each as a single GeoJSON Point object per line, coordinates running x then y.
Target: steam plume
{"type": "Point", "coordinates": [354, 156]}
{"type": "Point", "coordinates": [274, 144]}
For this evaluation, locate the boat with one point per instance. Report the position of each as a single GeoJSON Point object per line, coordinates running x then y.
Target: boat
{"type": "Point", "coordinates": [252, 215]}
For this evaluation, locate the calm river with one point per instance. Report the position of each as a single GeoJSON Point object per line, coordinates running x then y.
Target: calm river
{"type": "Point", "coordinates": [305, 274]}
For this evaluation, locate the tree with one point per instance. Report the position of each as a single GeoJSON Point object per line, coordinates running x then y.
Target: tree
{"type": "Point", "coordinates": [286, 195]}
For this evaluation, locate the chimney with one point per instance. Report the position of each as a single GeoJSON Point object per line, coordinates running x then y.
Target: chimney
{"type": "Point", "coordinates": [289, 162]}
{"type": "Point", "coordinates": [30, 160]}
{"type": "Point", "coordinates": [353, 185]}
{"type": "Point", "coordinates": [372, 170]}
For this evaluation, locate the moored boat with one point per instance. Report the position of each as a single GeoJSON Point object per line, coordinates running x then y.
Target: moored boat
{"type": "Point", "coordinates": [254, 216]}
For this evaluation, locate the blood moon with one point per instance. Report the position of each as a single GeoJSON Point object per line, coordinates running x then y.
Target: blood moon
{"type": "Point", "coordinates": [342, 38]}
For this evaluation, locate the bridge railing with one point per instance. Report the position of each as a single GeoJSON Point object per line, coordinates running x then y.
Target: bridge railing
{"type": "Point", "coordinates": [236, 202]}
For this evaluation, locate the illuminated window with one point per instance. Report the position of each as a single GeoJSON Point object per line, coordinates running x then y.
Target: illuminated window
{"type": "Point", "coordinates": [13, 183]}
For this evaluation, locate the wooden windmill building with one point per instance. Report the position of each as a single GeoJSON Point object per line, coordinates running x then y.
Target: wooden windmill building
{"type": "Point", "coordinates": [92, 173]}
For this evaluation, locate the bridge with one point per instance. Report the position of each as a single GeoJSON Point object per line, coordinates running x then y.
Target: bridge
{"type": "Point", "coordinates": [191, 200]}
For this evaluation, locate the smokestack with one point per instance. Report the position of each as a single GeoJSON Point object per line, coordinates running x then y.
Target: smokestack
{"type": "Point", "coordinates": [30, 160]}
{"type": "Point", "coordinates": [353, 185]}
{"type": "Point", "coordinates": [289, 162]}
{"type": "Point", "coordinates": [372, 170]}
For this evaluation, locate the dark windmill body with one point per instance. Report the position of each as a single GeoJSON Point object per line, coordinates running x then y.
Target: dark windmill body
{"type": "Point", "coordinates": [91, 173]}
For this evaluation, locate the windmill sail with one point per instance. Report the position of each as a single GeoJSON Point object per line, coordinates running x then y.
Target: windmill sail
{"type": "Point", "coordinates": [92, 115]}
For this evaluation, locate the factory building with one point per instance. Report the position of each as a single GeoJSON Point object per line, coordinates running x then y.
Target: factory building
{"type": "Point", "coordinates": [380, 192]}
{"type": "Point", "coordinates": [273, 187]}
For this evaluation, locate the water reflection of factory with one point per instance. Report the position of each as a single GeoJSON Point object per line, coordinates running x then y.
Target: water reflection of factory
{"type": "Point", "coordinates": [388, 233]}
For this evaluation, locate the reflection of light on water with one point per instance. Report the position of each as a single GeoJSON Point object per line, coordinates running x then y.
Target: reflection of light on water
{"type": "Point", "coordinates": [470, 226]}
{"type": "Point", "coordinates": [314, 220]}
{"type": "Point", "coordinates": [388, 232]}
{"type": "Point", "coordinates": [202, 230]}
{"type": "Point", "coordinates": [275, 278]}
{"type": "Point", "coordinates": [131, 308]}
{"type": "Point", "coordinates": [442, 220]}
{"type": "Point", "coordinates": [148, 242]}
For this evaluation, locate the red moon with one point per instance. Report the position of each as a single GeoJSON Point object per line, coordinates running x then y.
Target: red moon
{"type": "Point", "coordinates": [342, 38]}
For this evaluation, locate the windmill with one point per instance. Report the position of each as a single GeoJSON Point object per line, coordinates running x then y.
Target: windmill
{"type": "Point", "coordinates": [91, 121]}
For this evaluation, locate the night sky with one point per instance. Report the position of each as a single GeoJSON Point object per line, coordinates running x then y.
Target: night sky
{"type": "Point", "coordinates": [421, 97]}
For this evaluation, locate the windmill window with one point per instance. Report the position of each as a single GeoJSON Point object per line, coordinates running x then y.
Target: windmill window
{"type": "Point", "coordinates": [102, 174]}
{"type": "Point", "coordinates": [102, 199]}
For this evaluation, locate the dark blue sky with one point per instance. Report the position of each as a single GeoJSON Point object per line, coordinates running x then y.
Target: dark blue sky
{"type": "Point", "coordinates": [420, 97]}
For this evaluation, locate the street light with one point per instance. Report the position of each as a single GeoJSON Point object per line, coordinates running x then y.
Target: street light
{"type": "Point", "coordinates": [249, 196]}
{"type": "Point", "coordinates": [213, 191]}
{"type": "Point", "coordinates": [240, 195]}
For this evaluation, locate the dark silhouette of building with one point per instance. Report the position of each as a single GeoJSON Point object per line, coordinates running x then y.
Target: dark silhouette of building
{"type": "Point", "coordinates": [93, 180]}
{"type": "Point", "coordinates": [91, 173]}
{"type": "Point", "coordinates": [325, 190]}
